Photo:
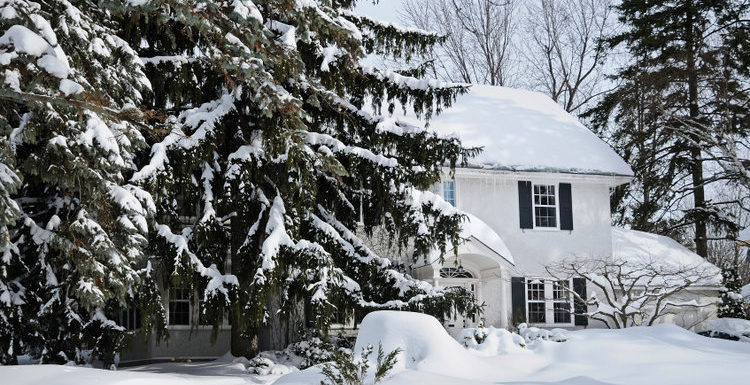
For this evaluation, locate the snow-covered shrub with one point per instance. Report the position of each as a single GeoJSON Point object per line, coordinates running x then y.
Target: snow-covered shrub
{"type": "Point", "coordinates": [530, 334]}
{"type": "Point", "coordinates": [348, 369]}
{"type": "Point", "coordinates": [729, 328]}
{"type": "Point", "coordinates": [491, 341]}
{"type": "Point", "coordinates": [314, 349]}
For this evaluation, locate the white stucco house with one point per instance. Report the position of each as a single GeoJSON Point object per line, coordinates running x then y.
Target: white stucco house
{"type": "Point", "coordinates": [538, 193]}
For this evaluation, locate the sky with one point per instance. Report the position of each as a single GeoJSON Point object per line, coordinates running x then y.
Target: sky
{"type": "Point", "coordinates": [385, 10]}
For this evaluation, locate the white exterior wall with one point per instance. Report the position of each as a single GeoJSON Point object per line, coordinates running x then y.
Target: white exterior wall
{"type": "Point", "coordinates": [493, 197]}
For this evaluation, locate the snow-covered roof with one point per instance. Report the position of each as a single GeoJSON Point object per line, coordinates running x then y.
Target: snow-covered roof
{"type": "Point", "coordinates": [644, 248]}
{"type": "Point", "coordinates": [482, 232]}
{"type": "Point", "coordinates": [526, 131]}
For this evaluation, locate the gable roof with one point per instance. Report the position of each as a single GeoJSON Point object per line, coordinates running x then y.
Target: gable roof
{"type": "Point", "coordinates": [525, 131]}
{"type": "Point", "coordinates": [643, 248]}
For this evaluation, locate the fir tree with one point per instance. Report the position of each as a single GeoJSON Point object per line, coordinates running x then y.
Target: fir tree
{"type": "Point", "coordinates": [687, 75]}
{"type": "Point", "coordinates": [732, 304]}
{"type": "Point", "coordinates": [273, 147]}
{"type": "Point", "coordinates": [73, 238]}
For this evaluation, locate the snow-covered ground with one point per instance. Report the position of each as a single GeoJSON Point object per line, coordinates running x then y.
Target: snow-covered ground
{"type": "Point", "coordinates": [659, 355]}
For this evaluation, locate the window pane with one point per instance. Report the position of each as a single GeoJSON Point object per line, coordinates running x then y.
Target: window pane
{"type": "Point", "coordinates": [562, 312]}
{"type": "Point", "coordinates": [560, 290]}
{"type": "Point", "coordinates": [536, 312]}
{"type": "Point", "coordinates": [179, 306]}
{"type": "Point", "coordinates": [536, 291]}
{"type": "Point", "coordinates": [449, 192]}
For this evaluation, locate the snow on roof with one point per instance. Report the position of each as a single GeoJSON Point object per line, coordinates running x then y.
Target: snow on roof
{"type": "Point", "coordinates": [476, 228]}
{"type": "Point", "coordinates": [526, 131]}
{"type": "Point", "coordinates": [642, 247]}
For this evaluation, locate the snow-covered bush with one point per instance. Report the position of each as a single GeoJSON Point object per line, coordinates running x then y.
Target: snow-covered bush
{"type": "Point", "coordinates": [732, 303]}
{"type": "Point", "coordinates": [729, 328]}
{"type": "Point", "coordinates": [490, 340]}
{"type": "Point", "coordinates": [314, 349]}
{"type": "Point", "coordinates": [530, 334]}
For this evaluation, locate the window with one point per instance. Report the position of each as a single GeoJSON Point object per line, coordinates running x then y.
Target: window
{"type": "Point", "coordinates": [548, 301]}
{"type": "Point", "coordinates": [130, 318]}
{"type": "Point", "coordinates": [561, 301]}
{"type": "Point", "coordinates": [545, 206]}
{"type": "Point", "coordinates": [179, 306]}
{"type": "Point", "coordinates": [537, 312]}
{"type": "Point", "coordinates": [449, 192]}
{"type": "Point", "coordinates": [452, 272]}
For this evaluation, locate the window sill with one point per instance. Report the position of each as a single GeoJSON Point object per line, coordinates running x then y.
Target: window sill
{"type": "Point", "coordinates": [546, 229]}
{"type": "Point", "coordinates": [551, 326]}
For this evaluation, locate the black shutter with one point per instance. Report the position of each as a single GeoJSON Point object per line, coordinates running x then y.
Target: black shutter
{"type": "Point", "coordinates": [518, 297]}
{"type": "Point", "coordinates": [579, 287]}
{"type": "Point", "coordinates": [566, 207]}
{"type": "Point", "coordinates": [524, 204]}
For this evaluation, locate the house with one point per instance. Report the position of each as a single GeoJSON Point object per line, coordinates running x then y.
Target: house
{"type": "Point", "coordinates": [538, 193]}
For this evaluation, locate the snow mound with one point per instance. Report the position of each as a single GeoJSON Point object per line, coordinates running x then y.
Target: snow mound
{"type": "Point", "coordinates": [422, 339]}
{"type": "Point", "coordinates": [643, 248]}
{"type": "Point", "coordinates": [476, 228]}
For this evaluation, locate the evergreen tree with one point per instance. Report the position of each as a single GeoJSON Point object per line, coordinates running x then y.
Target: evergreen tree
{"type": "Point", "coordinates": [73, 238]}
{"type": "Point", "coordinates": [732, 304]}
{"type": "Point", "coordinates": [272, 146]}
{"type": "Point", "coordinates": [687, 77]}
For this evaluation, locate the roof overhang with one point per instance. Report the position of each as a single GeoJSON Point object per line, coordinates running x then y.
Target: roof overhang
{"type": "Point", "coordinates": [611, 180]}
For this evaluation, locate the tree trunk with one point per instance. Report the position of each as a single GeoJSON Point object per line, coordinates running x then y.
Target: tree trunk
{"type": "Point", "coordinates": [699, 196]}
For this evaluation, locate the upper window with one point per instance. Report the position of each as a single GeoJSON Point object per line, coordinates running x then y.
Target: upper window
{"type": "Point", "coordinates": [449, 191]}
{"type": "Point", "coordinates": [545, 206]}
{"type": "Point", "coordinates": [179, 306]}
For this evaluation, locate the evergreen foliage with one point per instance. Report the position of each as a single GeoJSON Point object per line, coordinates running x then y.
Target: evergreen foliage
{"type": "Point", "coordinates": [226, 147]}
{"type": "Point", "coordinates": [687, 75]}
{"type": "Point", "coordinates": [732, 304]}
{"type": "Point", "coordinates": [73, 238]}
{"type": "Point", "coordinates": [269, 147]}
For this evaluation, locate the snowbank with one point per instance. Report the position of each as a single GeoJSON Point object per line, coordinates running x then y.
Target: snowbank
{"type": "Point", "coordinates": [659, 355]}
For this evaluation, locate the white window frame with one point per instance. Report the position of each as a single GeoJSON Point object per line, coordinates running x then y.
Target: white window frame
{"type": "Point", "coordinates": [549, 302]}
{"type": "Point", "coordinates": [556, 206]}
{"type": "Point", "coordinates": [170, 300]}
{"type": "Point", "coordinates": [452, 183]}
{"type": "Point", "coordinates": [194, 308]}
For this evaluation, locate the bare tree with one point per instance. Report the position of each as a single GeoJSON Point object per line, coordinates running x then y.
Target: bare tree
{"type": "Point", "coordinates": [630, 293]}
{"type": "Point", "coordinates": [479, 35]}
{"type": "Point", "coordinates": [564, 49]}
